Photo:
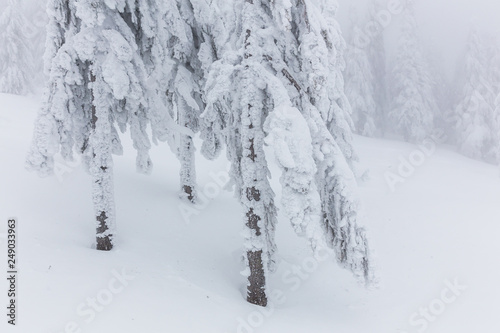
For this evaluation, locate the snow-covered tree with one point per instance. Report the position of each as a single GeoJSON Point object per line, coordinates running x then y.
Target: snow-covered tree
{"type": "Point", "coordinates": [444, 114]}
{"type": "Point", "coordinates": [325, 82]}
{"type": "Point", "coordinates": [97, 81]}
{"type": "Point", "coordinates": [62, 24]}
{"type": "Point", "coordinates": [262, 66]}
{"type": "Point", "coordinates": [36, 14]}
{"type": "Point", "coordinates": [318, 33]}
{"type": "Point", "coordinates": [213, 24]}
{"type": "Point", "coordinates": [413, 104]}
{"type": "Point", "coordinates": [182, 83]}
{"type": "Point", "coordinates": [16, 61]}
{"type": "Point", "coordinates": [360, 87]}
{"type": "Point", "coordinates": [271, 82]}
{"type": "Point", "coordinates": [495, 80]}
{"type": "Point", "coordinates": [496, 125]}
{"type": "Point", "coordinates": [492, 43]}
{"type": "Point", "coordinates": [365, 71]}
{"type": "Point", "coordinates": [476, 131]}
{"type": "Point", "coordinates": [237, 90]}
{"type": "Point", "coordinates": [377, 56]}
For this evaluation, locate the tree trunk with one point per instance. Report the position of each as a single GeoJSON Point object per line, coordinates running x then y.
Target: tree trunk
{"type": "Point", "coordinates": [186, 155]}
{"type": "Point", "coordinates": [187, 173]}
{"type": "Point", "coordinates": [101, 168]}
{"type": "Point", "coordinates": [256, 289]}
{"type": "Point", "coordinates": [254, 166]}
{"type": "Point", "coordinates": [187, 168]}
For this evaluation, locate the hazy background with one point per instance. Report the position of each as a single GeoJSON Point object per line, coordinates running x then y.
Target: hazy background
{"type": "Point", "coordinates": [444, 24]}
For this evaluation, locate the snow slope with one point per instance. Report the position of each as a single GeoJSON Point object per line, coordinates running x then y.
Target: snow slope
{"type": "Point", "coordinates": [437, 229]}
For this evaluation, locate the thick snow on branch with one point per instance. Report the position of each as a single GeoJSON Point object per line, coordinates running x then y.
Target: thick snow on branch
{"type": "Point", "coordinates": [288, 135]}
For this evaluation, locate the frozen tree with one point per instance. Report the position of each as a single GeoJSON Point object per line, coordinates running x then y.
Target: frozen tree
{"type": "Point", "coordinates": [495, 80]}
{"type": "Point", "coordinates": [272, 82]}
{"type": "Point", "coordinates": [97, 81]}
{"type": "Point", "coordinates": [494, 63]}
{"type": "Point", "coordinates": [360, 87]}
{"type": "Point", "coordinates": [444, 115]}
{"type": "Point", "coordinates": [195, 35]}
{"type": "Point", "coordinates": [182, 83]}
{"type": "Point", "coordinates": [16, 61]}
{"type": "Point", "coordinates": [214, 23]}
{"type": "Point", "coordinates": [187, 115]}
{"type": "Point", "coordinates": [497, 126]}
{"type": "Point", "coordinates": [365, 72]}
{"type": "Point", "coordinates": [237, 91]}
{"type": "Point", "coordinates": [334, 178]}
{"type": "Point", "coordinates": [325, 82]}
{"type": "Point", "coordinates": [62, 24]}
{"type": "Point", "coordinates": [491, 43]}
{"type": "Point", "coordinates": [476, 132]}
{"type": "Point", "coordinates": [377, 56]}
{"type": "Point", "coordinates": [413, 104]}
{"type": "Point", "coordinates": [36, 13]}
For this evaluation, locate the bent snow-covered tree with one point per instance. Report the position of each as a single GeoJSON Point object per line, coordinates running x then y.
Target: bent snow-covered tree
{"type": "Point", "coordinates": [97, 82]}
{"type": "Point", "coordinates": [268, 84]}
{"type": "Point", "coordinates": [16, 60]}
{"type": "Point", "coordinates": [318, 34]}
{"type": "Point", "coordinates": [322, 49]}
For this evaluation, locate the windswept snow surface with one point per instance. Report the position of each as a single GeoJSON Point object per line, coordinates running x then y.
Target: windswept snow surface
{"type": "Point", "coordinates": [176, 267]}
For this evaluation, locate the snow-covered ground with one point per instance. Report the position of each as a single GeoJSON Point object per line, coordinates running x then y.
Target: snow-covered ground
{"type": "Point", "coordinates": [176, 268]}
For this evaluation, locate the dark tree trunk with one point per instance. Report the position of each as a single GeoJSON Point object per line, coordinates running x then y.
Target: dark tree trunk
{"type": "Point", "coordinates": [256, 292]}
{"type": "Point", "coordinates": [104, 243]}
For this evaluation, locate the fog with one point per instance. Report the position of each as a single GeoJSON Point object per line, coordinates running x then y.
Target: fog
{"type": "Point", "coordinates": [444, 24]}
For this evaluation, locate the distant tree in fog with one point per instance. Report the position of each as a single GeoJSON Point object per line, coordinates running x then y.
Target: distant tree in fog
{"type": "Point", "coordinates": [36, 13]}
{"type": "Point", "coordinates": [360, 86]}
{"type": "Point", "coordinates": [377, 55]}
{"type": "Point", "coordinates": [16, 62]}
{"type": "Point", "coordinates": [365, 73]}
{"type": "Point", "coordinates": [476, 131]}
{"type": "Point", "coordinates": [413, 101]}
